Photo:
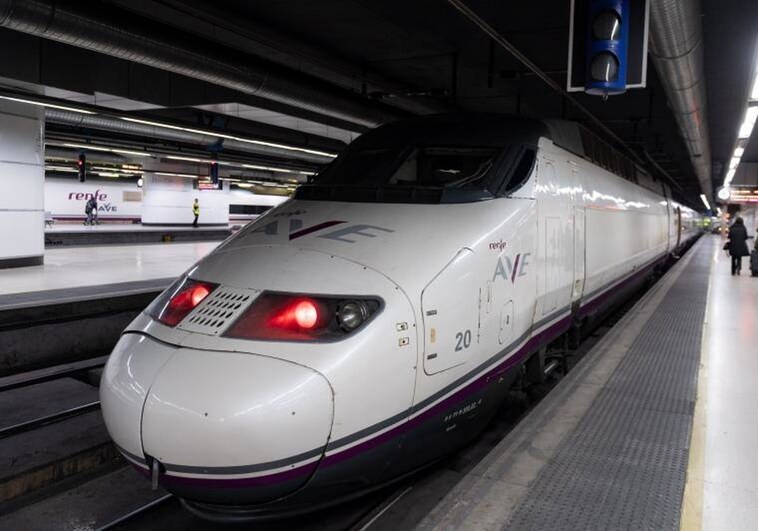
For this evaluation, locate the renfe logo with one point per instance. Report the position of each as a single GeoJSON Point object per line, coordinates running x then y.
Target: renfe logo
{"type": "Point", "coordinates": [99, 195]}
{"type": "Point", "coordinates": [86, 196]}
{"type": "Point", "coordinates": [511, 269]}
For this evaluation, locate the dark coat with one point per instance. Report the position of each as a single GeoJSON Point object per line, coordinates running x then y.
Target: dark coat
{"type": "Point", "coordinates": [738, 241]}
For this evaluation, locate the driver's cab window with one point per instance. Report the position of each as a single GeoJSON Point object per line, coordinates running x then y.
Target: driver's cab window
{"type": "Point", "coordinates": [522, 170]}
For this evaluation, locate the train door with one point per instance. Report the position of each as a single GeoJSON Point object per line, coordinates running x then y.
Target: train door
{"type": "Point", "coordinates": [556, 240]}
{"type": "Point", "coordinates": [678, 227]}
{"type": "Point", "coordinates": [450, 305]}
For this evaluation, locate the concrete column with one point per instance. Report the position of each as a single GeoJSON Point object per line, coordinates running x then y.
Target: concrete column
{"type": "Point", "coordinates": [22, 181]}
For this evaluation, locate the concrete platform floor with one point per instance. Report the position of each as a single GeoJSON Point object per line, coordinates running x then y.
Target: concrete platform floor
{"type": "Point", "coordinates": [73, 267]}
{"type": "Point", "coordinates": [726, 428]}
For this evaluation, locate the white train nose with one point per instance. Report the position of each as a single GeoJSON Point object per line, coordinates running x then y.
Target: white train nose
{"type": "Point", "coordinates": [251, 426]}
{"type": "Point", "coordinates": [237, 428]}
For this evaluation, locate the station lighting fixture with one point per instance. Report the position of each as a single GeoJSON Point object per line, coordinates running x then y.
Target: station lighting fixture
{"type": "Point", "coordinates": [45, 104]}
{"type": "Point", "coordinates": [746, 128]}
{"type": "Point", "coordinates": [724, 193]}
{"type": "Point", "coordinates": [239, 165]}
{"type": "Point", "coordinates": [107, 149]}
{"type": "Point", "coordinates": [705, 201]}
{"type": "Point", "coordinates": [185, 175]}
{"type": "Point", "coordinates": [216, 134]}
{"type": "Point", "coordinates": [119, 170]}
{"type": "Point", "coordinates": [61, 169]}
{"type": "Point", "coordinates": [719, 211]}
{"type": "Point", "coordinates": [53, 104]}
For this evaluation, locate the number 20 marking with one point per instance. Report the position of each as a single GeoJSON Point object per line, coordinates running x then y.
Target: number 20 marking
{"type": "Point", "coordinates": [463, 340]}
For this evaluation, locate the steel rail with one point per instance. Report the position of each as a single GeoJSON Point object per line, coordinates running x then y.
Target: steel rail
{"type": "Point", "coordinates": [25, 379]}
{"type": "Point", "coordinates": [29, 425]}
{"type": "Point", "coordinates": [136, 512]}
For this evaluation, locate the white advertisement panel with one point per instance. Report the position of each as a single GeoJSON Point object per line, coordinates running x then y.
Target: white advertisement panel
{"type": "Point", "coordinates": [66, 199]}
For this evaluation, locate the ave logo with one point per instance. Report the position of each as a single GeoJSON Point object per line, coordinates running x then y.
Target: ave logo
{"type": "Point", "coordinates": [342, 234]}
{"type": "Point", "coordinates": [510, 269]}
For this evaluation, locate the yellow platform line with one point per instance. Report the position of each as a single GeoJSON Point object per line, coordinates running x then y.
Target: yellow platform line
{"type": "Point", "coordinates": [692, 502]}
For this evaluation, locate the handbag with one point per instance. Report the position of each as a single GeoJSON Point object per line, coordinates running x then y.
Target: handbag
{"type": "Point", "coordinates": [727, 244]}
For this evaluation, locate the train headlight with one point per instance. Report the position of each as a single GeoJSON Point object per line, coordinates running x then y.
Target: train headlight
{"type": "Point", "coordinates": [297, 317]}
{"type": "Point", "coordinates": [352, 314]}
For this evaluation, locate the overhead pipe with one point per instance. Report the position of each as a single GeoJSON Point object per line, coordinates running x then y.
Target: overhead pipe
{"type": "Point", "coordinates": [133, 38]}
{"type": "Point", "coordinates": [115, 125]}
{"type": "Point", "coordinates": [676, 49]}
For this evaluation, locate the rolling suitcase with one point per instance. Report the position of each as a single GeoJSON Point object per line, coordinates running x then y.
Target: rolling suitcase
{"type": "Point", "coordinates": [754, 263]}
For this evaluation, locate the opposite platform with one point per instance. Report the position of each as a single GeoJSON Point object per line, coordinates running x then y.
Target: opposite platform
{"type": "Point", "coordinates": [609, 447]}
{"type": "Point", "coordinates": [70, 234]}
{"type": "Point", "coordinates": [76, 305]}
{"type": "Point", "coordinates": [92, 272]}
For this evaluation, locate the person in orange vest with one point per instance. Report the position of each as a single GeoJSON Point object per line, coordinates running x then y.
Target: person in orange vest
{"type": "Point", "coordinates": [195, 211]}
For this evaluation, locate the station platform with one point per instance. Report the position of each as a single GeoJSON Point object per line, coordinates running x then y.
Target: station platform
{"type": "Point", "coordinates": [83, 297]}
{"type": "Point", "coordinates": [653, 429]}
{"type": "Point", "coordinates": [65, 234]}
{"type": "Point", "coordinates": [70, 274]}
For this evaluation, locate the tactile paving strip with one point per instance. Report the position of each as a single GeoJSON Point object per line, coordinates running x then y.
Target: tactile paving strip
{"type": "Point", "coordinates": [624, 466]}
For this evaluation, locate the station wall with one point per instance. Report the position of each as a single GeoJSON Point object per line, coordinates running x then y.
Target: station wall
{"type": "Point", "coordinates": [163, 200]}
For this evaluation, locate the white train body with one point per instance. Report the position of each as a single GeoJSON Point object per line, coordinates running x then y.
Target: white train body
{"type": "Point", "coordinates": [458, 295]}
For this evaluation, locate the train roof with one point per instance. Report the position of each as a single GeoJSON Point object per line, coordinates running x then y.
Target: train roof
{"type": "Point", "coordinates": [474, 129]}
{"type": "Point", "coordinates": [491, 129]}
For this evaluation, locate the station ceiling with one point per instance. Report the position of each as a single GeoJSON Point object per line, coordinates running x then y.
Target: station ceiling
{"type": "Point", "coordinates": [404, 57]}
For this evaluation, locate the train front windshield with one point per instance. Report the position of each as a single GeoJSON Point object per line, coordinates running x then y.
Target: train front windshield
{"type": "Point", "coordinates": [429, 160]}
{"type": "Point", "coordinates": [443, 167]}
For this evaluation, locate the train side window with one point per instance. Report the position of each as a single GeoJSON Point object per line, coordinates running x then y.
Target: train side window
{"type": "Point", "coordinates": [521, 172]}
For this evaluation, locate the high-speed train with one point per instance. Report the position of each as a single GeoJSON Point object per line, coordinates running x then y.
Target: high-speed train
{"type": "Point", "coordinates": [375, 322]}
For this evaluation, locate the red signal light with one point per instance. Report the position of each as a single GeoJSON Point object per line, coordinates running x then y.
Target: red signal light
{"type": "Point", "coordinates": [301, 313]}
{"type": "Point", "coordinates": [185, 299]}
{"type": "Point", "coordinates": [198, 293]}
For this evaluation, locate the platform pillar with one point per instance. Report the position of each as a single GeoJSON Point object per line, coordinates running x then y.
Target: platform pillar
{"type": "Point", "coordinates": [22, 182]}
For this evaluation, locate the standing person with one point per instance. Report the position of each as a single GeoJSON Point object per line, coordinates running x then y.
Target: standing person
{"type": "Point", "coordinates": [91, 210]}
{"type": "Point", "coordinates": [738, 244]}
{"type": "Point", "coordinates": [195, 211]}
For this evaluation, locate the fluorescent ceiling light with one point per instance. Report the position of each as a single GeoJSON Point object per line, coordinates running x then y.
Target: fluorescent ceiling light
{"type": "Point", "coordinates": [754, 92]}
{"type": "Point", "coordinates": [107, 169]}
{"type": "Point", "coordinates": [734, 162]}
{"type": "Point", "coordinates": [108, 174]}
{"type": "Point", "coordinates": [185, 175]}
{"type": "Point", "coordinates": [729, 177]}
{"type": "Point", "coordinates": [228, 137]}
{"type": "Point", "coordinates": [43, 104]}
{"type": "Point", "coordinates": [267, 168]}
{"type": "Point", "coordinates": [109, 150]}
{"type": "Point", "coordinates": [239, 165]}
{"type": "Point", "coordinates": [738, 152]}
{"type": "Point", "coordinates": [705, 201]}
{"type": "Point", "coordinates": [746, 128]}
{"type": "Point", "coordinates": [187, 159]}
{"type": "Point", "coordinates": [63, 169]}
